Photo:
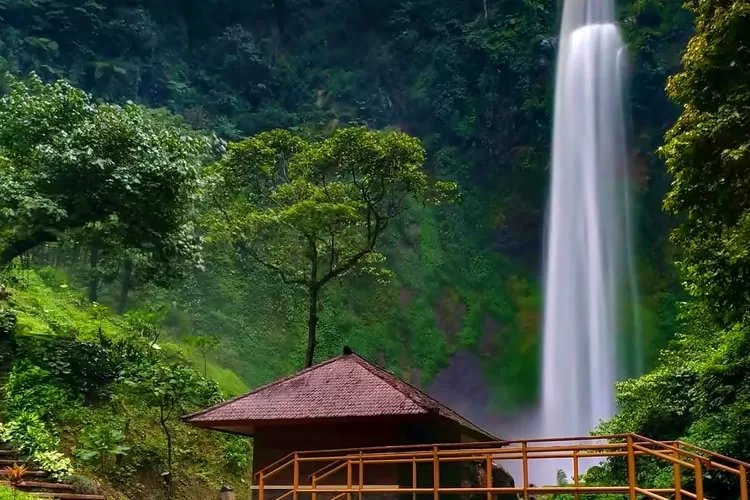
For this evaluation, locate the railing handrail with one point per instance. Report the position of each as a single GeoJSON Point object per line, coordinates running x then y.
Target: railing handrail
{"type": "Point", "coordinates": [414, 447]}
{"type": "Point", "coordinates": [681, 445]}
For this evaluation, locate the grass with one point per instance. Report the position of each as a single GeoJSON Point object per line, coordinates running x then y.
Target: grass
{"type": "Point", "coordinates": [7, 493]}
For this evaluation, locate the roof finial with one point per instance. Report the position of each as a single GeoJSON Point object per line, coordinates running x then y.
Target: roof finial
{"type": "Point", "coordinates": [348, 350]}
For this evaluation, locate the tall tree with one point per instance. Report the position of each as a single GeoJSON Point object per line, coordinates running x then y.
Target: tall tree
{"type": "Point", "coordinates": [708, 153]}
{"type": "Point", "coordinates": [69, 165]}
{"type": "Point", "coordinates": [204, 344]}
{"type": "Point", "coordinates": [311, 212]}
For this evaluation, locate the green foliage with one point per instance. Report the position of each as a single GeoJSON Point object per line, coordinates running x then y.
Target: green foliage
{"type": "Point", "coordinates": [238, 453]}
{"type": "Point", "coordinates": [6, 493]}
{"type": "Point", "coordinates": [473, 85]}
{"type": "Point", "coordinates": [83, 484]}
{"type": "Point", "coordinates": [32, 437]}
{"type": "Point", "coordinates": [171, 388]}
{"type": "Point", "coordinates": [100, 442]}
{"type": "Point", "coordinates": [7, 322]}
{"type": "Point", "coordinates": [88, 391]}
{"type": "Point", "coordinates": [204, 344]}
{"type": "Point", "coordinates": [136, 172]}
{"type": "Point", "coordinates": [706, 152]}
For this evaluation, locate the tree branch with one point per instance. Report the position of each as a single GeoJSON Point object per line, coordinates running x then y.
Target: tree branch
{"type": "Point", "coordinates": [372, 239]}
{"type": "Point", "coordinates": [21, 246]}
{"type": "Point", "coordinates": [242, 245]}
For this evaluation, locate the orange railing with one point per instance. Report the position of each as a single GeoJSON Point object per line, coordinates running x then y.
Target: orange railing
{"type": "Point", "coordinates": [352, 464]}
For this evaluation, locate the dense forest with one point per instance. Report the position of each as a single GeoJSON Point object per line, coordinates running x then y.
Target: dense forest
{"type": "Point", "coordinates": [200, 196]}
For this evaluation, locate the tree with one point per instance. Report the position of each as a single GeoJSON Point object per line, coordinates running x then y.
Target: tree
{"type": "Point", "coordinates": [171, 389]}
{"type": "Point", "coordinates": [204, 344]}
{"type": "Point", "coordinates": [68, 164]}
{"type": "Point", "coordinates": [707, 153]}
{"type": "Point", "coordinates": [311, 212]}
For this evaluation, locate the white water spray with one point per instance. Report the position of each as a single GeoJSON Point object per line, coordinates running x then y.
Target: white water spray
{"type": "Point", "coordinates": [588, 241]}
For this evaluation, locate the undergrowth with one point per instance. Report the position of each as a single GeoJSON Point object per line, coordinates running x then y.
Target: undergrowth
{"type": "Point", "coordinates": [84, 390]}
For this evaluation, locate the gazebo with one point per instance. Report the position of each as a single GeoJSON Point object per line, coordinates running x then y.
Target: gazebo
{"type": "Point", "coordinates": [343, 403]}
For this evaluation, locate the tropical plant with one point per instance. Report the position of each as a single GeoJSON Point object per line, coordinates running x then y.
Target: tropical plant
{"type": "Point", "coordinates": [15, 474]}
{"type": "Point", "coordinates": [99, 442]}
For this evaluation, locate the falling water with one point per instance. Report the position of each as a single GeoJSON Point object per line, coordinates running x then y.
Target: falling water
{"type": "Point", "coordinates": [587, 245]}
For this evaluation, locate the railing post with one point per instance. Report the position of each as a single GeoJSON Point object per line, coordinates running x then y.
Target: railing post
{"type": "Point", "coordinates": [361, 474]}
{"type": "Point", "coordinates": [488, 476]}
{"type": "Point", "coordinates": [414, 477]}
{"type": "Point", "coordinates": [631, 469]}
{"type": "Point", "coordinates": [575, 475]}
{"type": "Point", "coordinates": [348, 479]}
{"type": "Point", "coordinates": [525, 469]}
{"type": "Point", "coordinates": [698, 479]}
{"type": "Point", "coordinates": [295, 481]}
{"type": "Point", "coordinates": [262, 486]}
{"type": "Point", "coordinates": [435, 474]}
{"type": "Point", "coordinates": [314, 485]}
{"type": "Point", "coordinates": [743, 482]}
{"type": "Point", "coordinates": [677, 477]}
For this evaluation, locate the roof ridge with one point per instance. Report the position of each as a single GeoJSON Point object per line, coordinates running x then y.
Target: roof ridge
{"type": "Point", "coordinates": [433, 404]}
{"type": "Point", "coordinates": [291, 376]}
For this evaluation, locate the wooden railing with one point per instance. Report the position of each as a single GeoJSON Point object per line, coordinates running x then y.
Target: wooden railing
{"type": "Point", "coordinates": [632, 448]}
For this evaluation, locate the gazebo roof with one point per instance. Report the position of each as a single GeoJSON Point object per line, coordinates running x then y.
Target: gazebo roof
{"type": "Point", "coordinates": [346, 387]}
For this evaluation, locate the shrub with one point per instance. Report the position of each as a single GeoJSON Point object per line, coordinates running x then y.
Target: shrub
{"type": "Point", "coordinates": [29, 434]}
{"type": "Point", "coordinates": [29, 390]}
{"type": "Point", "coordinates": [58, 465]}
{"type": "Point", "coordinates": [83, 484]}
{"type": "Point", "coordinates": [7, 322]}
{"type": "Point", "coordinates": [237, 454]}
{"type": "Point", "coordinates": [33, 439]}
{"type": "Point", "coordinates": [84, 367]}
{"type": "Point", "coordinates": [101, 441]}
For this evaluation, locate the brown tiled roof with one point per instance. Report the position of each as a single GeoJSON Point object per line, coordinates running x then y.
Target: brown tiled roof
{"type": "Point", "coordinates": [347, 386]}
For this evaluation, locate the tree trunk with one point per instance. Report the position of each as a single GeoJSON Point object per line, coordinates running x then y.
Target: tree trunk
{"type": "Point", "coordinates": [280, 13]}
{"type": "Point", "coordinates": [312, 325]}
{"type": "Point", "coordinates": [94, 274]}
{"type": "Point", "coordinates": [205, 365]}
{"type": "Point", "coordinates": [486, 10]}
{"type": "Point", "coordinates": [168, 437]}
{"type": "Point", "coordinates": [126, 283]}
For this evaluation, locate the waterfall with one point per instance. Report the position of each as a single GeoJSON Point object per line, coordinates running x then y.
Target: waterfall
{"type": "Point", "coordinates": [587, 246]}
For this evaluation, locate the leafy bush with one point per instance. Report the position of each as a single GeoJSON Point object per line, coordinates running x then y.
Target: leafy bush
{"type": "Point", "coordinates": [58, 465]}
{"type": "Point", "coordinates": [85, 367]}
{"type": "Point", "coordinates": [83, 484]}
{"type": "Point", "coordinates": [238, 453]}
{"type": "Point", "coordinates": [29, 434]}
{"type": "Point", "coordinates": [29, 389]}
{"type": "Point", "coordinates": [7, 322]}
{"type": "Point", "coordinates": [101, 441]}
{"type": "Point", "coordinates": [32, 437]}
